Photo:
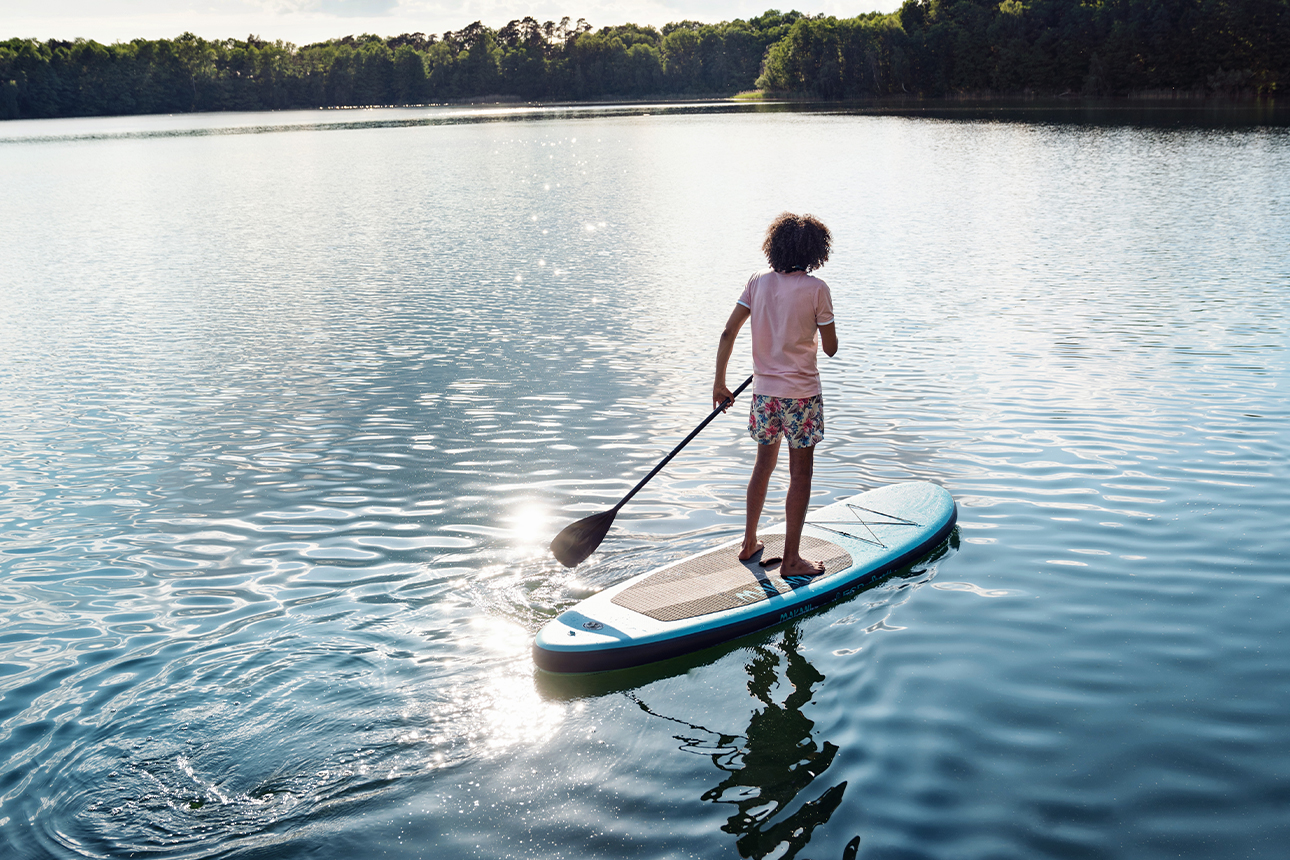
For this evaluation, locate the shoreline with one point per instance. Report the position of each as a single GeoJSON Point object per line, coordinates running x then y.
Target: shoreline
{"type": "Point", "coordinates": [1146, 102]}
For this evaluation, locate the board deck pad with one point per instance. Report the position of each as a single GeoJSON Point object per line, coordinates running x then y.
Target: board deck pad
{"type": "Point", "coordinates": [718, 580]}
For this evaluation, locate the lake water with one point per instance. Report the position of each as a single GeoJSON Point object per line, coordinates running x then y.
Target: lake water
{"type": "Point", "coordinates": [290, 405]}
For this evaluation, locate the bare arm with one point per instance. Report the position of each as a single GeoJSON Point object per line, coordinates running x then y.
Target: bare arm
{"type": "Point", "coordinates": [829, 339]}
{"type": "Point", "coordinates": [726, 346]}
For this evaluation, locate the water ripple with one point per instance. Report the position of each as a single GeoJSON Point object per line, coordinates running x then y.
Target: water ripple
{"type": "Point", "coordinates": [278, 472]}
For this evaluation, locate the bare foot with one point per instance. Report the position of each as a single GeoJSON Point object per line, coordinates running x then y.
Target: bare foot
{"type": "Point", "coordinates": [746, 553]}
{"type": "Point", "coordinates": [801, 567]}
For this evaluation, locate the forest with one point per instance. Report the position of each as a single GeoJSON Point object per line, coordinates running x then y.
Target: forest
{"type": "Point", "coordinates": [927, 48]}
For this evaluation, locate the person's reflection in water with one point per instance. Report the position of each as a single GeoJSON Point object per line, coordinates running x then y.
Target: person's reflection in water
{"type": "Point", "coordinates": [774, 761]}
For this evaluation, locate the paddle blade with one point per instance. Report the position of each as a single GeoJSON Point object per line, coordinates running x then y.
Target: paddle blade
{"type": "Point", "coordinates": [579, 540]}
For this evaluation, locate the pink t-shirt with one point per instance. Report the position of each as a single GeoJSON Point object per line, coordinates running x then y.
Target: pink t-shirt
{"type": "Point", "coordinates": [787, 310]}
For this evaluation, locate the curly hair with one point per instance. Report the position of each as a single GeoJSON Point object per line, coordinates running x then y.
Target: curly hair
{"type": "Point", "coordinates": [797, 242]}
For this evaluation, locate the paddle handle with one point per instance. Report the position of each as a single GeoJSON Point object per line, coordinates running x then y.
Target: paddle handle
{"type": "Point", "coordinates": [686, 441]}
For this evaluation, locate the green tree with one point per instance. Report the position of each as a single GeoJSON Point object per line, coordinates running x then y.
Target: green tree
{"type": "Point", "coordinates": [479, 66]}
{"type": "Point", "coordinates": [374, 73]}
{"type": "Point", "coordinates": [409, 75]}
{"type": "Point", "coordinates": [341, 74]}
{"type": "Point", "coordinates": [682, 60]}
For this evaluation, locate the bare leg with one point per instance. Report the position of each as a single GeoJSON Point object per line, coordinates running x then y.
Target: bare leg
{"type": "Point", "coordinates": [801, 466]}
{"type": "Point", "coordinates": [758, 482]}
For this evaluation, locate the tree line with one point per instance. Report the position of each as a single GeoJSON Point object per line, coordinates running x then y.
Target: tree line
{"type": "Point", "coordinates": [524, 59]}
{"type": "Point", "coordinates": [1040, 47]}
{"type": "Point", "coordinates": [926, 48]}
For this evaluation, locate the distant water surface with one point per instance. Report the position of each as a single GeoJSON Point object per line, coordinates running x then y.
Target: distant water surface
{"type": "Point", "coordinates": [287, 420]}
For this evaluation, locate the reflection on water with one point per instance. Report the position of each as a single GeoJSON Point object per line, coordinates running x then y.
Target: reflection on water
{"type": "Point", "coordinates": [776, 758]}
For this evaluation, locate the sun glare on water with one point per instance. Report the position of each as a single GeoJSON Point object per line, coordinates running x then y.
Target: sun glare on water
{"type": "Point", "coordinates": [512, 710]}
{"type": "Point", "coordinates": [531, 526]}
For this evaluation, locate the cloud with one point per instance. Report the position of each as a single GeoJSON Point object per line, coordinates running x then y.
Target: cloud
{"type": "Point", "coordinates": [336, 8]}
{"type": "Point", "coordinates": [357, 8]}
{"type": "Point", "coordinates": [305, 21]}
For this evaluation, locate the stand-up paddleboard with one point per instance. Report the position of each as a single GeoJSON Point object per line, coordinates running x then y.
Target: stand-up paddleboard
{"type": "Point", "coordinates": [713, 596]}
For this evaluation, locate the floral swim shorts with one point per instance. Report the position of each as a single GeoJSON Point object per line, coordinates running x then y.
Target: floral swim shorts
{"type": "Point", "coordinates": [801, 420]}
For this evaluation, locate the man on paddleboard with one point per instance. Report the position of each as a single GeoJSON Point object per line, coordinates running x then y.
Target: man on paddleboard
{"type": "Point", "coordinates": [792, 316]}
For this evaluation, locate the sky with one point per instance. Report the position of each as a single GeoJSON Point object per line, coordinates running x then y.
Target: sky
{"type": "Point", "coordinates": [305, 21]}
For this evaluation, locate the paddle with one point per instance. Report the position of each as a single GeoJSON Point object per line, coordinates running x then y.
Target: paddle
{"type": "Point", "coordinates": [579, 540]}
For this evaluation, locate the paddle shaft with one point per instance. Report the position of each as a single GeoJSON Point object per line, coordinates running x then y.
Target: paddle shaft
{"type": "Point", "coordinates": [684, 442]}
